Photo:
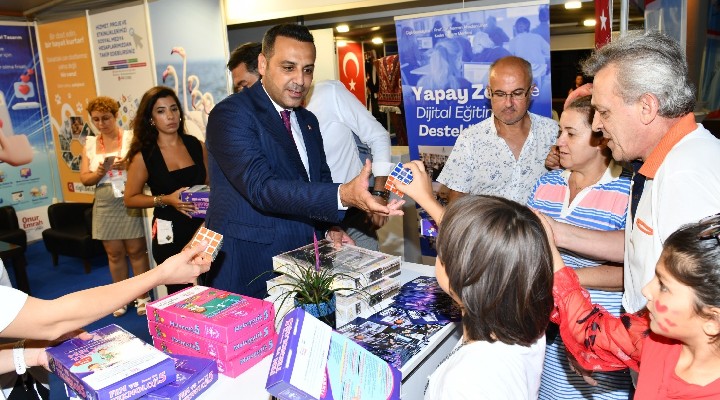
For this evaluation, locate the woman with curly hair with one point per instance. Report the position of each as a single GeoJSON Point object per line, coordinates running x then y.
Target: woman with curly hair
{"type": "Point", "coordinates": [169, 161]}
{"type": "Point", "coordinates": [103, 164]}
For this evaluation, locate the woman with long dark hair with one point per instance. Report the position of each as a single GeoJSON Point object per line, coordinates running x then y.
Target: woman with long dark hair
{"type": "Point", "coordinates": [169, 161]}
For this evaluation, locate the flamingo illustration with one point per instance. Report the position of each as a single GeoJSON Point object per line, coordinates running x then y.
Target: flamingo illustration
{"type": "Point", "coordinates": [181, 52]}
{"type": "Point", "coordinates": [193, 83]}
{"type": "Point", "coordinates": [170, 71]}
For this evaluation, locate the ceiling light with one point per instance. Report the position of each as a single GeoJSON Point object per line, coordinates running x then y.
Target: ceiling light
{"type": "Point", "coordinates": [342, 28]}
{"type": "Point", "coordinates": [341, 43]}
{"type": "Point", "coordinates": [377, 40]}
{"type": "Point", "coordinates": [589, 22]}
{"type": "Point", "coordinates": [572, 5]}
{"type": "Point", "coordinates": [375, 28]}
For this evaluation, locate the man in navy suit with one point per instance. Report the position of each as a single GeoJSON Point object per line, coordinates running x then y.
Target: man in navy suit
{"type": "Point", "coordinates": [270, 185]}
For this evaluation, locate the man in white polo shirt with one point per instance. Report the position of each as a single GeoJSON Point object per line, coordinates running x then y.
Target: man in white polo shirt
{"type": "Point", "coordinates": [644, 102]}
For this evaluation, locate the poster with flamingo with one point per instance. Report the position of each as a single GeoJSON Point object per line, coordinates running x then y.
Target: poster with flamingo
{"type": "Point", "coordinates": [191, 61]}
{"type": "Point", "coordinates": [122, 57]}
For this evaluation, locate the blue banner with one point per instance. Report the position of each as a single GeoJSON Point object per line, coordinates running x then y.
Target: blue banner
{"type": "Point", "coordinates": [444, 63]}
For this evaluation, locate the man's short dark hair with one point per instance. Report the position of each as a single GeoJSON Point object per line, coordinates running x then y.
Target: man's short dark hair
{"type": "Point", "coordinates": [298, 32]}
{"type": "Point", "coordinates": [498, 262]}
{"type": "Point", "coordinates": [247, 54]}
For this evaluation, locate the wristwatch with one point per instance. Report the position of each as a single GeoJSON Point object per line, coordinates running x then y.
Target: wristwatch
{"type": "Point", "coordinates": [381, 193]}
{"type": "Point", "coordinates": [19, 357]}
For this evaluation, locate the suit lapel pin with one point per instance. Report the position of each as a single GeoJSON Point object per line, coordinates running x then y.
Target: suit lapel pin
{"type": "Point", "coordinates": [309, 128]}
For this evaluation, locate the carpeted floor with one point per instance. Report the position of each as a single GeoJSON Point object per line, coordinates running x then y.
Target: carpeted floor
{"type": "Point", "coordinates": [49, 282]}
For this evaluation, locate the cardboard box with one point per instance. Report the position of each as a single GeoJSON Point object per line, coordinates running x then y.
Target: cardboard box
{"type": "Point", "coordinates": [113, 365]}
{"type": "Point", "coordinates": [362, 266]}
{"type": "Point", "coordinates": [210, 348]}
{"type": "Point", "coordinates": [211, 313]}
{"type": "Point", "coordinates": [194, 376]}
{"type": "Point", "coordinates": [200, 196]}
{"type": "Point", "coordinates": [313, 362]}
{"type": "Point", "coordinates": [232, 367]}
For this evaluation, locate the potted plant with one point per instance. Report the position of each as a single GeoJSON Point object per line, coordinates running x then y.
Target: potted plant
{"type": "Point", "coordinates": [312, 287]}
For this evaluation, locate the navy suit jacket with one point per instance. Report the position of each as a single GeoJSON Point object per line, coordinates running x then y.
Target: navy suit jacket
{"type": "Point", "coordinates": [261, 199]}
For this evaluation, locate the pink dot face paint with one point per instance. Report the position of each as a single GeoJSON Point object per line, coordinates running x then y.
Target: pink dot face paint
{"type": "Point", "coordinates": [660, 307]}
{"type": "Point", "coordinates": [670, 323]}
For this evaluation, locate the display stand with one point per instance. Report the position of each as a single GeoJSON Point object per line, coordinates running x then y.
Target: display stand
{"type": "Point", "coordinates": [251, 384]}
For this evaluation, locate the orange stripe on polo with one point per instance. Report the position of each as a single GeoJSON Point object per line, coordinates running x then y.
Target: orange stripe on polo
{"type": "Point", "coordinates": [676, 132]}
{"type": "Point", "coordinates": [643, 227]}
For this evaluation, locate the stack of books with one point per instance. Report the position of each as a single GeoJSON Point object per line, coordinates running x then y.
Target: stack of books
{"type": "Point", "coordinates": [236, 331]}
{"type": "Point", "coordinates": [370, 276]}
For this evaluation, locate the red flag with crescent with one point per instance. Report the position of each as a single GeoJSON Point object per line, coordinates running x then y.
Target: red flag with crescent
{"type": "Point", "coordinates": [603, 22]}
{"type": "Point", "coordinates": [352, 69]}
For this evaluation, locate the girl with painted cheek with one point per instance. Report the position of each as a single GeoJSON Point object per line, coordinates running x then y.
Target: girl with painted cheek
{"type": "Point", "coordinates": [673, 343]}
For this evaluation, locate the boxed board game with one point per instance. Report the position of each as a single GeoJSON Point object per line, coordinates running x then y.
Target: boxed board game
{"type": "Point", "coordinates": [232, 367]}
{"type": "Point", "coordinates": [198, 195]}
{"type": "Point", "coordinates": [313, 362]}
{"type": "Point", "coordinates": [210, 348]}
{"type": "Point", "coordinates": [114, 364]}
{"type": "Point", "coordinates": [194, 376]}
{"type": "Point", "coordinates": [349, 307]}
{"type": "Point", "coordinates": [211, 313]}
{"type": "Point", "coordinates": [362, 266]}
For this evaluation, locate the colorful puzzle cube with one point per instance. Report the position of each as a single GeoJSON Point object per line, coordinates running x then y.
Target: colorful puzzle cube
{"type": "Point", "coordinates": [398, 174]}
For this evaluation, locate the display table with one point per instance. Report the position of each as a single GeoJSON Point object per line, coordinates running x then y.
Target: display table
{"type": "Point", "coordinates": [251, 384]}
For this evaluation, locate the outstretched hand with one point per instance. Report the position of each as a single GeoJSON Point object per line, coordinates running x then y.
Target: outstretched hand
{"type": "Point", "coordinates": [355, 194]}
{"type": "Point", "coordinates": [420, 190]}
{"type": "Point", "coordinates": [185, 266]}
{"type": "Point", "coordinates": [339, 237]}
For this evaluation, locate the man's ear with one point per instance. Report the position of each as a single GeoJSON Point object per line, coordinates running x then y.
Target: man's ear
{"type": "Point", "coordinates": [262, 64]}
{"type": "Point", "coordinates": [649, 106]}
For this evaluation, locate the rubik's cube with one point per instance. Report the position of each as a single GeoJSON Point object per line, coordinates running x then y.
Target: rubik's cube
{"type": "Point", "coordinates": [213, 238]}
{"type": "Point", "coordinates": [398, 174]}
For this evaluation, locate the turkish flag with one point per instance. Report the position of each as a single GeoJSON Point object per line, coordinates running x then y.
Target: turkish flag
{"type": "Point", "coordinates": [603, 22]}
{"type": "Point", "coordinates": [352, 69]}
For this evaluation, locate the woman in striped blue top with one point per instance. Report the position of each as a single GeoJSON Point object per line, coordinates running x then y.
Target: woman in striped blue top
{"type": "Point", "coordinates": [592, 192]}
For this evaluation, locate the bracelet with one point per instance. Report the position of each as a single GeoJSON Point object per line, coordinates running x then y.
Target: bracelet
{"type": "Point", "coordinates": [158, 202]}
{"type": "Point", "coordinates": [19, 357]}
{"type": "Point", "coordinates": [381, 193]}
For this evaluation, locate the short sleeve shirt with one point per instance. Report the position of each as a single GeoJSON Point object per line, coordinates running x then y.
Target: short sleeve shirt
{"type": "Point", "coordinates": [482, 163]}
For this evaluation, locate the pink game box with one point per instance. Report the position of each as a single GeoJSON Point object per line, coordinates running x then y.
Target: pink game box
{"type": "Point", "coordinates": [211, 348]}
{"type": "Point", "coordinates": [211, 313]}
{"type": "Point", "coordinates": [232, 367]}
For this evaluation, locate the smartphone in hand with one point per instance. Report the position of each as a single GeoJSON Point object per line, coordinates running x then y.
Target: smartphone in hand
{"type": "Point", "coordinates": [108, 163]}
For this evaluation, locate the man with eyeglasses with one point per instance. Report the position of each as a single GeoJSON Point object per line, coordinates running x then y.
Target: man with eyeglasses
{"type": "Point", "coordinates": [503, 155]}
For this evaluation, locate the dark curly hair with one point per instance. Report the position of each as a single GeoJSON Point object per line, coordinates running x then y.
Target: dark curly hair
{"type": "Point", "coordinates": [144, 134]}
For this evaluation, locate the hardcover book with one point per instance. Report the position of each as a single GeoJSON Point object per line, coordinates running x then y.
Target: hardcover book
{"type": "Point", "coordinates": [113, 365]}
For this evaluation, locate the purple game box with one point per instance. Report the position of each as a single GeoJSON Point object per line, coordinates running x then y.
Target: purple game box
{"type": "Point", "coordinates": [211, 348]}
{"type": "Point", "coordinates": [211, 313]}
{"type": "Point", "coordinates": [194, 376]}
{"type": "Point", "coordinates": [200, 196]}
{"type": "Point", "coordinates": [113, 365]}
{"type": "Point", "coordinates": [313, 362]}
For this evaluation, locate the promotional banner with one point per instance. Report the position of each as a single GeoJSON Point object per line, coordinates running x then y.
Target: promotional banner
{"type": "Point", "coordinates": [67, 63]}
{"type": "Point", "coordinates": [121, 48]}
{"type": "Point", "coordinates": [352, 69]}
{"type": "Point", "coordinates": [27, 172]}
{"type": "Point", "coordinates": [444, 63]}
{"type": "Point", "coordinates": [191, 61]}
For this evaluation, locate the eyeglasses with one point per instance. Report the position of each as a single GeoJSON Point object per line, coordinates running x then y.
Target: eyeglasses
{"type": "Point", "coordinates": [515, 94]}
{"type": "Point", "coordinates": [713, 228]}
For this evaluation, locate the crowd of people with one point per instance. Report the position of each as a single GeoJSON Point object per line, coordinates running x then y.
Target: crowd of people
{"type": "Point", "coordinates": [546, 221]}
